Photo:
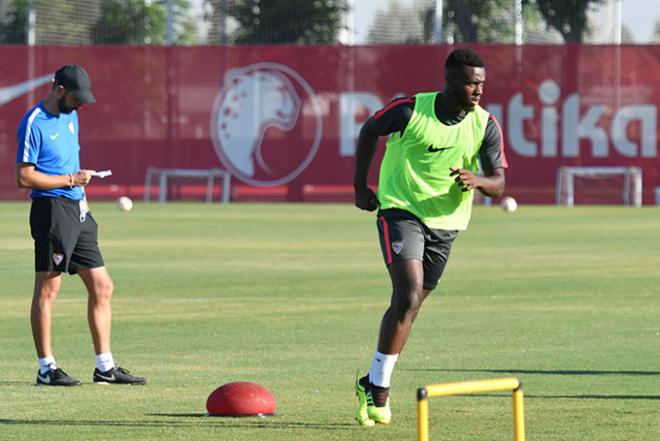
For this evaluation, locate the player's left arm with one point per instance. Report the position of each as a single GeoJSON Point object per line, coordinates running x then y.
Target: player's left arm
{"type": "Point", "coordinates": [493, 163]}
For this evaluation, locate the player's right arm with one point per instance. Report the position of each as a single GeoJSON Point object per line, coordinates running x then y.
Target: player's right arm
{"type": "Point", "coordinates": [365, 198]}
{"type": "Point", "coordinates": [28, 177]}
{"type": "Point", "coordinates": [392, 118]}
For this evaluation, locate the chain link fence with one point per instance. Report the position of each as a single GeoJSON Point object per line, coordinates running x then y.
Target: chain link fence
{"type": "Point", "coordinates": [235, 22]}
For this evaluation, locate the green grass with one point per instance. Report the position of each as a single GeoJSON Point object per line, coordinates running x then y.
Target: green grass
{"type": "Point", "coordinates": [290, 296]}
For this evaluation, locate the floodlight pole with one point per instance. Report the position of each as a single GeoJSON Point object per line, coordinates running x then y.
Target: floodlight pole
{"type": "Point", "coordinates": [437, 23]}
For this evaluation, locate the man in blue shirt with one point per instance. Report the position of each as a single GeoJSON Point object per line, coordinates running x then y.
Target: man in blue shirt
{"type": "Point", "coordinates": [65, 233]}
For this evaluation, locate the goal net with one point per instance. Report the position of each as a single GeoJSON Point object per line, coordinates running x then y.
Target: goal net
{"type": "Point", "coordinates": [599, 185]}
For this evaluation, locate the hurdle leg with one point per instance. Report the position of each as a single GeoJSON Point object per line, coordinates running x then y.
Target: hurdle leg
{"type": "Point", "coordinates": [518, 415]}
{"type": "Point", "coordinates": [422, 415]}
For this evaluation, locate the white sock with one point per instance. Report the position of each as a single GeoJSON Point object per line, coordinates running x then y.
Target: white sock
{"type": "Point", "coordinates": [381, 369]}
{"type": "Point", "coordinates": [105, 362]}
{"type": "Point", "coordinates": [46, 364]}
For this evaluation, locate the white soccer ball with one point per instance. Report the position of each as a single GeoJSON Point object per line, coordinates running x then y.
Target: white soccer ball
{"type": "Point", "coordinates": [124, 203]}
{"type": "Point", "coordinates": [509, 204]}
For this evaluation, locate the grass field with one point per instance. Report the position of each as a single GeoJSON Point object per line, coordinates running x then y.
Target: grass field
{"type": "Point", "coordinates": [290, 296]}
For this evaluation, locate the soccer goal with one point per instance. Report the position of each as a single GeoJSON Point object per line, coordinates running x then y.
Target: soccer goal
{"type": "Point", "coordinates": [599, 185]}
{"type": "Point", "coordinates": [166, 176]}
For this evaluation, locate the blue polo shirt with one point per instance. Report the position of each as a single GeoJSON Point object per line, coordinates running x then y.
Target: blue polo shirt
{"type": "Point", "coordinates": [50, 143]}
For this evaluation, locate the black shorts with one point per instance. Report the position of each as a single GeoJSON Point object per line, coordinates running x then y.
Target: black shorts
{"type": "Point", "coordinates": [404, 237]}
{"type": "Point", "coordinates": [63, 240]}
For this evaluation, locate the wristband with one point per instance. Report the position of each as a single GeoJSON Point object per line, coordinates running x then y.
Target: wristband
{"type": "Point", "coordinates": [70, 180]}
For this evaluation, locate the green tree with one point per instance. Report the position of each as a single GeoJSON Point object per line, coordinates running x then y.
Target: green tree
{"type": "Point", "coordinates": [141, 22]}
{"type": "Point", "coordinates": [472, 21]}
{"type": "Point", "coordinates": [569, 17]}
{"type": "Point", "coordinates": [185, 27]}
{"type": "Point", "coordinates": [13, 26]}
{"type": "Point", "coordinates": [280, 21]}
{"type": "Point", "coordinates": [53, 23]}
{"type": "Point", "coordinates": [129, 22]}
{"type": "Point", "coordinates": [399, 24]}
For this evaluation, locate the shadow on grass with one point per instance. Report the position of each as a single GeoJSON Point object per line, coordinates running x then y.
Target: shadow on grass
{"type": "Point", "coordinates": [571, 397]}
{"type": "Point", "coordinates": [559, 372]}
{"type": "Point", "coordinates": [17, 383]}
{"type": "Point", "coordinates": [220, 422]}
{"type": "Point", "coordinates": [596, 397]}
{"type": "Point", "coordinates": [541, 372]}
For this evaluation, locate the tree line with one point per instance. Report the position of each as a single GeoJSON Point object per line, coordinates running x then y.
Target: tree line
{"type": "Point", "coordinates": [273, 21]}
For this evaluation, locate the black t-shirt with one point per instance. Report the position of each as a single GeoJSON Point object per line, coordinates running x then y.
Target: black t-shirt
{"type": "Point", "coordinates": [394, 117]}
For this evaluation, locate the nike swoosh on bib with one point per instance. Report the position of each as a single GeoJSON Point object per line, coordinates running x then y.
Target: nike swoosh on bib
{"type": "Point", "coordinates": [10, 93]}
{"type": "Point", "coordinates": [437, 149]}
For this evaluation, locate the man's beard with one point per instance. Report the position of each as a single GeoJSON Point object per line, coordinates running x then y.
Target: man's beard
{"type": "Point", "coordinates": [62, 107]}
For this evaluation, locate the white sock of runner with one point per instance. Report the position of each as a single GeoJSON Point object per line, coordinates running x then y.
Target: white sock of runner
{"type": "Point", "coordinates": [105, 362]}
{"type": "Point", "coordinates": [381, 369]}
{"type": "Point", "coordinates": [46, 364]}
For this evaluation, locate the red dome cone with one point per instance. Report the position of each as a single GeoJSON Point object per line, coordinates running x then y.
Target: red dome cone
{"type": "Point", "coordinates": [241, 398]}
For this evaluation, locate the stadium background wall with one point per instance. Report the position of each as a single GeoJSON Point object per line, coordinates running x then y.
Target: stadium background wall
{"type": "Point", "coordinates": [284, 119]}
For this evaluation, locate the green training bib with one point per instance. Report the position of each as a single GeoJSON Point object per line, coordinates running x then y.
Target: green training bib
{"type": "Point", "coordinates": [414, 174]}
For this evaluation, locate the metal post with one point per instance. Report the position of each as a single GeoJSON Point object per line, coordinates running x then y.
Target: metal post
{"type": "Point", "coordinates": [31, 24]}
{"type": "Point", "coordinates": [31, 36]}
{"type": "Point", "coordinates": [559, 185]}
{"type": "Point", "coordinates": [570, 189]}
{"type": "Point", "coordinates": [147, 183]}
{"type": "Point", "coordinates": [518, 22]}
{"type": "Point", "coordinates": [627, 176]}
{"type": "Point", "coordinates": [349, 20]}
{"type": "Point", "coordinates": [422, 415]}
{"type": "Point", "coordinates": [226, 182]}
{"type": "Point", "coordinates": [437, 23]}
{"type": "Point", "coordinates": [170, 22]}
{"type": "Point", "coordinates": [223, 22]}
{"type": "Point", "coordinates": [209, 187]}
{"type": "Point", "coordinates": [470, 387]}
{"type": "Point", "coordinates": [518, 415]}
{"type": "Point", "coordinates": [637, 192]}
{"type": "Point", "coordinates": [617, 5]}
{"type": "Point", "coordinates": [162, 186]}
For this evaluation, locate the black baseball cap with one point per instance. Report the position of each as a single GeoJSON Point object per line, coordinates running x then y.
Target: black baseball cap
{"type": "Point", "coordinates": [74, 78]}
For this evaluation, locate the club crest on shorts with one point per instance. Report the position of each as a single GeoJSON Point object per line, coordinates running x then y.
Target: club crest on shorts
{"type": "Point", "coordinates": [58, 258]}
{"type": "Point", "coordinates": [397, 246]}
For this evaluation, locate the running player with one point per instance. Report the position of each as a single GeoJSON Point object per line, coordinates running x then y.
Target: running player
{"type": "Point", "coordinates": [425, 191]}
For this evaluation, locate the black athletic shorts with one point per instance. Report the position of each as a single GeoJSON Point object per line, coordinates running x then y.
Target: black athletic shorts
{"type": "Point", "coordinates": [64, 239]}
{"type": "Point", "coordinates": [404, 237]}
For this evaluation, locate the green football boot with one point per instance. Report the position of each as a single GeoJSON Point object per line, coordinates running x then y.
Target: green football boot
{"type": "Point", "coordinates": [379, 414]}
{"type": "Point", "coordinates": [368, 413]}
{"type": "Point", "coordinates": [361, 414]}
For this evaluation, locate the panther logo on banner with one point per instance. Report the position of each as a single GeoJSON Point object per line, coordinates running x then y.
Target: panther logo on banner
{"type": "Point", "coordinates": [266, 124]}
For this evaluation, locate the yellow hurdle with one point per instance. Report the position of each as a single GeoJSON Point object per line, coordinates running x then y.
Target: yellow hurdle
{"type": "Point", "coordinates": [470, 387]}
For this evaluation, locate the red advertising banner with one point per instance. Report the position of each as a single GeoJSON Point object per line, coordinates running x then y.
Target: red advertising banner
{"type": "Point", "coordinates": [283, 120]}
